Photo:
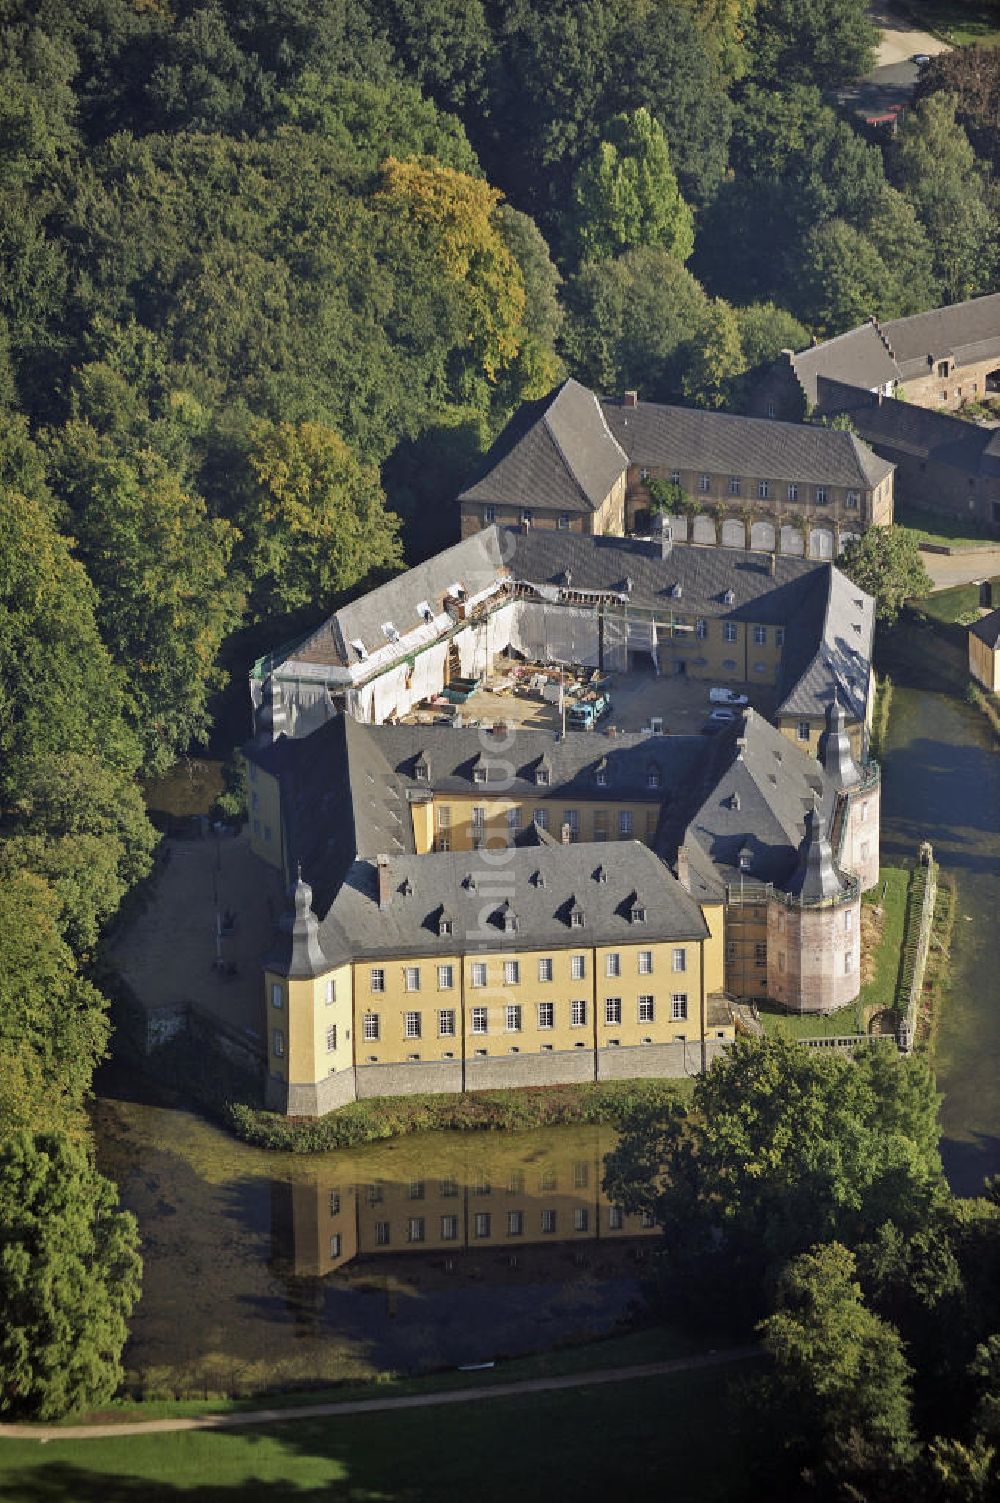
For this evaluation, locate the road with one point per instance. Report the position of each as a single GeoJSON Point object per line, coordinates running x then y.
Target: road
{"type": "Point", "coordinates": [900, 38]}
{"type": "Point", "coordinates": [948, 569]}
{"type": "Point", "coordinates": [488, 1390]}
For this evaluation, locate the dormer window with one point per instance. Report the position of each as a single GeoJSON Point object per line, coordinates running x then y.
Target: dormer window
{"type": "Point", "coordinates": [479, 774]}
{"type": "Point", "coordinates": [538, 879]}
{"type": "Point", "coordinates": [638, 913]}
{"type": "Point", "coordinates": [424, 611]}
{"type": "Point", "coordinates": [734, 801]}
{"type": "Point", "coordinates": [509, 919]}
{"type": "Point", "coordinates": [677, 591]}
{"type": "Point", "coordinates": [360, 649]}
{"type": "Point", "coordinates": [653, 777]}
{"type": "Point", "coordinates": [729, 597]}
{"type": "Point", "coordinates": [601, 773]}
{"type": "Point", "coordinates": [576, 918]}
{"type": "Point", "coordinates": [745, 858]}
{"type": "Point", "coordinates": [600, 874]}
{"type": "Point", "coordinates": [446, 925]}
{"type": "Point", "coordinates": [406, 887]}
{"type": "Point", "coordinates": [542, 775]}
{"type": "Point", "coordinates": [390, 632]}
{"type": "Point", "coordinates": [421, 769]}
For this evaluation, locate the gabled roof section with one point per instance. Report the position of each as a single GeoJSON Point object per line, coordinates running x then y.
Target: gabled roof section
{"type": "Point", "coordinates": [860, 357]}
{"type": "Point", "coordinates": [556, 454]}
{"type": "Point", "coordinates": [967, 332]}
{"type": "Point", "coordinates": [828, 648]}
{"type": "Point", "coordinates": [689, 438]}
{"type": "Point", "coordinates": [987, 629]}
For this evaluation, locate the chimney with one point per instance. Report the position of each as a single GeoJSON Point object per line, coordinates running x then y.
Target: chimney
{"type": "Point", "coordinates": [683, 869]}
{"type": "Point", "coordinates": [631, 399]}
{"type": "Point", "coordinates": [384, 880]}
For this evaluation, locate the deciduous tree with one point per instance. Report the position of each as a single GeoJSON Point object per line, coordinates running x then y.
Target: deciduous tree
{"type": "Point", "coordinates": [626, 194]}
{"type": "Point", "coordinates": [886, 562]}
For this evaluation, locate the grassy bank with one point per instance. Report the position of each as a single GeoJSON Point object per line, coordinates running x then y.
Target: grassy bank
{"type": "Point", "coordinates": [880, 714]}
{"type": "Point", "coordinates": [946, 532]}
{"type": "Point", "coordinates": [937, 974]}
{"type": "Point", "coordinates": [960, 23]}
{"type": "Point", "coordinates": [588, 1443]}
{"type": "Point", "coordinates": [361, 1122]}
{"type": "Point", "coordinates": [988, 704]}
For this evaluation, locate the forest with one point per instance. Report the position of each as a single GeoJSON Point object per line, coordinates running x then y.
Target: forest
{"type": "Point", "coordinates": [273, 276]}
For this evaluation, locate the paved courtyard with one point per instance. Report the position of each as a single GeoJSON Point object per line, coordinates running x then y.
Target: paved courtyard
{"type": "Point", "coordinates": [681, 703]}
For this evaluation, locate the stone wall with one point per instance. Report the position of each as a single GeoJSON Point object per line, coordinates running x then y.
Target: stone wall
{"type": "Point", "coordinates": [409, 1078]}
{"type": "Point", "coordinates": [662, 1061]}
{"type": "Point", "coordinates": [307, 1100]}
{"type": "Point", "coordinates": [561, 1067]}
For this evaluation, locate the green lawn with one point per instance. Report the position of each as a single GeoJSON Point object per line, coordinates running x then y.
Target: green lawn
{"type": "Point", "coordinates": [959, 604]}
{"type": "Point", "coordinates": [589, 1443]}
{"type": "Point", "coordinates": [932, 528]}
{"type": "Point", "coordinates": [890, 895]}
{"type": "Point", "coordinates": [878, 993]}
{"type": "Point", "coordinates": [959, 22]}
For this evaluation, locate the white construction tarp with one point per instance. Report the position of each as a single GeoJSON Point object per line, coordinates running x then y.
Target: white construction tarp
{"type": "Point", "coordinates": [556, 633]}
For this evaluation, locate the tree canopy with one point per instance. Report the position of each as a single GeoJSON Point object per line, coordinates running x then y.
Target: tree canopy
{"type": "Point", "coordinates": [626, 193]}
{"type": "Point", "coordinates": [886, 562]}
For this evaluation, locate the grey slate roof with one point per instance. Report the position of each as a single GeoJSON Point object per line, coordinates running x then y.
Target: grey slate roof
{"type": "Point", "coordinates": [754, 791]}
{"type": "Point", "coordinates": [688, 438]}
{"type": "Point", "coordinates": [828, 649]}
{"type": "Point", "coordinates": [919, 433]}
{"type": "Point", "coordinates": [858, 358]}
{"type": "Point", "coordinates": [542, 883]}
{"type": "Point", "coordinates": [987, 629]}
{"type": "Point", "coordinates": [967, 331]}
{"type": "Point", "coordinates": [557, 454]}
{"type": "Point", "coordinates": [704, 574]}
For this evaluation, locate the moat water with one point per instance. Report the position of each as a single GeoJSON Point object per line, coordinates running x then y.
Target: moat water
{"type": "Point", "coordinates": [264, 1269]}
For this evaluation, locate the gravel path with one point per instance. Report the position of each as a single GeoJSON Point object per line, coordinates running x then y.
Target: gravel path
{"type": "Point", "coordinates": [252, 1417]}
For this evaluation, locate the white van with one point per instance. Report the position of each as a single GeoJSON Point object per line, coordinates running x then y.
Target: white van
{"type": "Point", "coordinates": [727, 697]}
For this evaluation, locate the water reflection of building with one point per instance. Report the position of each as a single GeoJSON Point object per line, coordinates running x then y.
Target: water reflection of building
{"type": "Point", "coordinates": [487, 1200]}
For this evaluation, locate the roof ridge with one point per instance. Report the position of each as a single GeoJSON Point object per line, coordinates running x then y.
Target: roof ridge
{"type": "Point", "coordinates": [567, 463]}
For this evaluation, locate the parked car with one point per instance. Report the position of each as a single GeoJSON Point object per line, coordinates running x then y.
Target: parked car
{"type": "Point", "coordinates": [920, 58]}
{"type": "Point", "coordinates": [727, 697]}
{"type": "Point", "coordinates": [722, 717]}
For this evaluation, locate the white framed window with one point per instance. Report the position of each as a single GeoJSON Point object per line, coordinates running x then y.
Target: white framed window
{"type": "Point", "coordinates": [624, 822]}
{"type": "Point", "coordinates": [612, 1009]}
{"type": "Point", "coordinates": [679, 960]}
{"type": "Point", "coordinates": [542, 817]}
{"type": "Point", "coordinates": [443, 816]}
{"type": "Point", "coordinates": [549, 1222]}
{"type": "Point", "coordinates": [770, 409]}
{"type": "Point", "coordinates": [581, 1174]}
{"type": "Point", "coordinates": [678, 1006]}
{"type": "Point", "coordinates": [848, 920]}
{"type": "Point", "coordinates": [411, 975]}
{"type": "Point", "coordinates": [578, 967]}
{"type": "Point", "coordinates": [331, 1039]}
{"type": "Point", "coordinates": [411, 1025]}
{"type": "Point", "coordinates": [382, 1234]}
{"type": "Point", "coordinates": [779, 636]}
{"type": "Point", "coordinates": [479, 1020]}
{"type": "Point", "coordinates": [415, 1229]}
{"type": "Point", "coordinates": [277, 1043]}
{"type": "Point", "coordinates": [760, 635]}
{"type": "Point", "coordinates": [729, 631]}
{"type": "Point", "coordinates": [371, 1025]}
{"type": "Point", "coordinates": [802, 730]}
{"type": "Point", "coordinates": [763, 490]}
{"type": "Point", "coordinates": [513, 1017]}
{"type": "Point", "coordinates": [578, 1014]}
{"type": "Point", "coordinates": [515, 1223]}
{"type": "Point", "coordinates": [645, 962]}
{"type": "Point", "coordinates": [613, 964]}
{"type": "Point", "coordinates": [513, 820]}
{"type": "Point", "coordinates": [821, 495]}
{"type": "Point", "coordinates": [489, 514]}
{"type": "Point", "coordinates": [446, 978]}
{"type": "Point", "coordinates": [277, 994]}
{"type": "Point", "coordinates": [848, 963]}
{"type": "Point", "coordinates": [546, 1015]}
{"type": "Point", "coordinates": [376, 979]}
{"type": "Point", "coordinates": [564, 521]}
{"type": "Point", "coordinates": [616, 1218]}
{"type": "Point", "coordinates": [335, 1245]}
{"type": "Point", "coordinates": [449, 1228]}
{"type": "Point", "coordinates": [793, 492]}
{"type": "Point", "coordinates": [576, 918]}
{"type": "Point", "coordinates": [581, 1219]}
{"type": "Point", "coordinates": [853, 500]}
{"type": "Point", "coordinates": [734, 485]}
{"type": "Point", "coordinates": [331, 992]}
{"type": "Point", "coordinates": [446, 1022]}
{"type": "Point", "coordinates": [647, 1220]}
{"type": "Point", "coordinates": [482, 1223]}
{"type": "Point", "coordinates": [647, 1010]}
{"type": "Point", "coordinates": [653, 778]}
{"type": "Point", "coordinates": [448, 1188]}
{"type": "Point", "coordinates": [701, 629]}
{"type": "Point", "coordinates": [545, 970]}
{"type": "Point", "coordinates": [334, 1202]}
{"type": "Point", "coordinates": [479, 973]}
{"type": "Point", "coordinates": [478, 810]}
{"type": "Point", "coordinates": [601, 777]}
{"type": "Point", "coordinates": [512, 973]}
{"type": "Point", "coordinates": [571, 817]}
{"type": "Point", "coordinates": [704, 483]}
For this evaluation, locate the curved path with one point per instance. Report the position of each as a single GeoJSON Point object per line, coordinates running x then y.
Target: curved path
{"type": "Point", "coordinates": [231, 1420]}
